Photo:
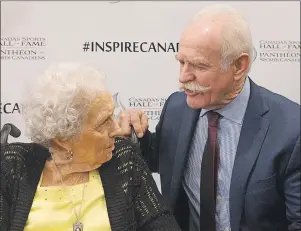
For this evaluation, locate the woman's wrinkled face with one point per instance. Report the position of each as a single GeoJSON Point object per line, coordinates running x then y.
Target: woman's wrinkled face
{"type": "Point", "coordinates": [94, 145]}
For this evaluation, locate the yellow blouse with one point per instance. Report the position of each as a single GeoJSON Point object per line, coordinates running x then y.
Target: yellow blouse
{"type": "Point", "coordinates": [51, 209]}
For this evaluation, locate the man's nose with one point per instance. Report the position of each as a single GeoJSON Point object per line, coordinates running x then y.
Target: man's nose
{"type": "Point", "coordinates": [186, 75]}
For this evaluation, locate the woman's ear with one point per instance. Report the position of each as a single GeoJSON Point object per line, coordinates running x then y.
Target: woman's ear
{"type": "Point", "coordinates": [63, 149]}
{"type": "Point", "coordinates": [63, 145]}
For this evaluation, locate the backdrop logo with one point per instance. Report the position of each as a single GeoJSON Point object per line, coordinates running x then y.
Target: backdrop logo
{"type": "Point", "coordinates": [9, 108]}
{"type": "Point", "coordinates": [118, 105]}
{"type": "Point", "coordinates": [151, 106]}
{"type": "Point", "coordinates": [23, 48]}
{"type": "Point", "coordinates": [129, 46]}
{"type": "Point", "coordinates": [278, 51]}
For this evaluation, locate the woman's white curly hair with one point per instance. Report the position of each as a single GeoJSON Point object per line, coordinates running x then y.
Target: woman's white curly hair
{"type": "Point", "coordinates": [58, 101]}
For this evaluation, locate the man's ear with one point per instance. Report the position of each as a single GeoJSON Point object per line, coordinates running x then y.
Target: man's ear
{"type": "Point", "coordinates": [241, 66]}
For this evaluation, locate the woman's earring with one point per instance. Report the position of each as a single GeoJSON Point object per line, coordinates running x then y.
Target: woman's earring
{"type": "Point", "coordinates": [69, 155]}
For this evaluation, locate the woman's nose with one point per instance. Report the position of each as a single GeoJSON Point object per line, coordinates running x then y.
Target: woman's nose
{"type": "Point", "coordinates": [116, 130]}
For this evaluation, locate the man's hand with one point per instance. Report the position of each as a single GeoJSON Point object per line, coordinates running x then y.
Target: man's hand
{"type": "Point", "coordinates": [136, 118]}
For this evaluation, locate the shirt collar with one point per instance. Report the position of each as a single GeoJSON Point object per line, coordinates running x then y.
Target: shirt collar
{"type": "Point", "coordinates": [236, 109]}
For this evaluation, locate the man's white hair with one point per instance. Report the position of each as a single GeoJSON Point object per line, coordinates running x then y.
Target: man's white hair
{"type": "Point", "coordinates": [58, 101]}
{"type": "Point", "coordinates": [236, 34]}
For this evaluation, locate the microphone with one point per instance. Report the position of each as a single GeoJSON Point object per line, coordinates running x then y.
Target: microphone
{"type": "Point", "coordinates": [9, 129]}
{"type": "Point", "coordinates": [134, 137]}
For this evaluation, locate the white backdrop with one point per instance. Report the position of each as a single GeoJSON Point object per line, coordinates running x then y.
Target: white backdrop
{"type": "Point", "coordinates": [36, 34]}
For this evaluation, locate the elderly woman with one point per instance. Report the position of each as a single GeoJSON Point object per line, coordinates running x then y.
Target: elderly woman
{"type": "Point", "coordinates": [76, 175]}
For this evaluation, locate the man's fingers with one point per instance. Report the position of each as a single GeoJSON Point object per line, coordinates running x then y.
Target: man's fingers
{"type": "Point", "coordinates": [124, 122]}
{"type": "Point", "coordinates": [136, 122]}
{"type": "Point", "coordinates": [136, 118]}
{"type": "Point", "coordinates": [144, 123]}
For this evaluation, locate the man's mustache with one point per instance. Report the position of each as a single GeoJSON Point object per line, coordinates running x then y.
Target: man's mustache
{"type": "Point", "coordinates": [194, 87]}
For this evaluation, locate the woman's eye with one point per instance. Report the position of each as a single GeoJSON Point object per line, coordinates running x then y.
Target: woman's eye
{"type": "Point", "coordinates": [105, 123]}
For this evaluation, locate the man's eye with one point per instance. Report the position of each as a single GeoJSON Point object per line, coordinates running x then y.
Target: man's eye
{"type": "Point", "coordinates": [201, 67]}
{"type": "Point", "coordinates": [198, 66]}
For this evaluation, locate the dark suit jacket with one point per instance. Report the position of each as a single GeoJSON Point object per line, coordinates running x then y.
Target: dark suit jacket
{"type": "Point", "coordinates": [132, 198]}
{"type": "Point", "coordinates": [265, 184]}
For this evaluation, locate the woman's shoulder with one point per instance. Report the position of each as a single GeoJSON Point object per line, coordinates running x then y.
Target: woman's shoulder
{"type": "Point", "coordinates": [16, 151]}
{"type": "Point", "coordinates": [16, 154]}
{"type": "Point", "coordinates": [13, 162]}
{"type": "Point", "coordinates": [126, 152]}
{"type": "Point", "coordinates": [18, 159]}
{"type": "Point", "coordinates": [123, 146]}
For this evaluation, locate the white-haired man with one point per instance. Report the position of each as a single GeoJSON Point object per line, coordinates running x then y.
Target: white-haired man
{"type": "Point", "coordinates": [227, 150]}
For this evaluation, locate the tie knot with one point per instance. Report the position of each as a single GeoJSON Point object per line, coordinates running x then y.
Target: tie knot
{"type": "Point", "coordinates": [213, 118]}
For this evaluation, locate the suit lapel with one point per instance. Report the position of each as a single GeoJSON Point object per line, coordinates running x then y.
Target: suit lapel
{"type": "Point", "coordinates": [253, 132]}
{"type": "Point", "coordinates": [187, 128]}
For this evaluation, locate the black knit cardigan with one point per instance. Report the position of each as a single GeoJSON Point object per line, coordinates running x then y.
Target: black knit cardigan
{"type": "Point", "coordinates": [132, 197]}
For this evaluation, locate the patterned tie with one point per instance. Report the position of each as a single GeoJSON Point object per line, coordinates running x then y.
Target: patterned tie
{"type": "Point", "coordinates": [209, 175]}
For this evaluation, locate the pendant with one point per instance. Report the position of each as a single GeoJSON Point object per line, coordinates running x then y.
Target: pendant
{"type": "Point", "coordinates": [78, 226]}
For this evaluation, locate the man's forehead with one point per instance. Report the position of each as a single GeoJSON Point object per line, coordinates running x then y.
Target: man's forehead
{"type": "Point", "coordinates": [200, 40]}
{"type": "Point", "coordinates": [193, 58]}
{"type": "Point", "coordinates": [198, 53]}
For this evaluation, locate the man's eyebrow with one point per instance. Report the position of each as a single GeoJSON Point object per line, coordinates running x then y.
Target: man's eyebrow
{"type": "Point", "coordinates": [199, 60]}
{"type": "Point", "coordinates": [194, 60]}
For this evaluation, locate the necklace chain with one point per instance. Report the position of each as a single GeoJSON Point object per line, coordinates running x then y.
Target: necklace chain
{"type": "Point", "coordinates": [65, 187]}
